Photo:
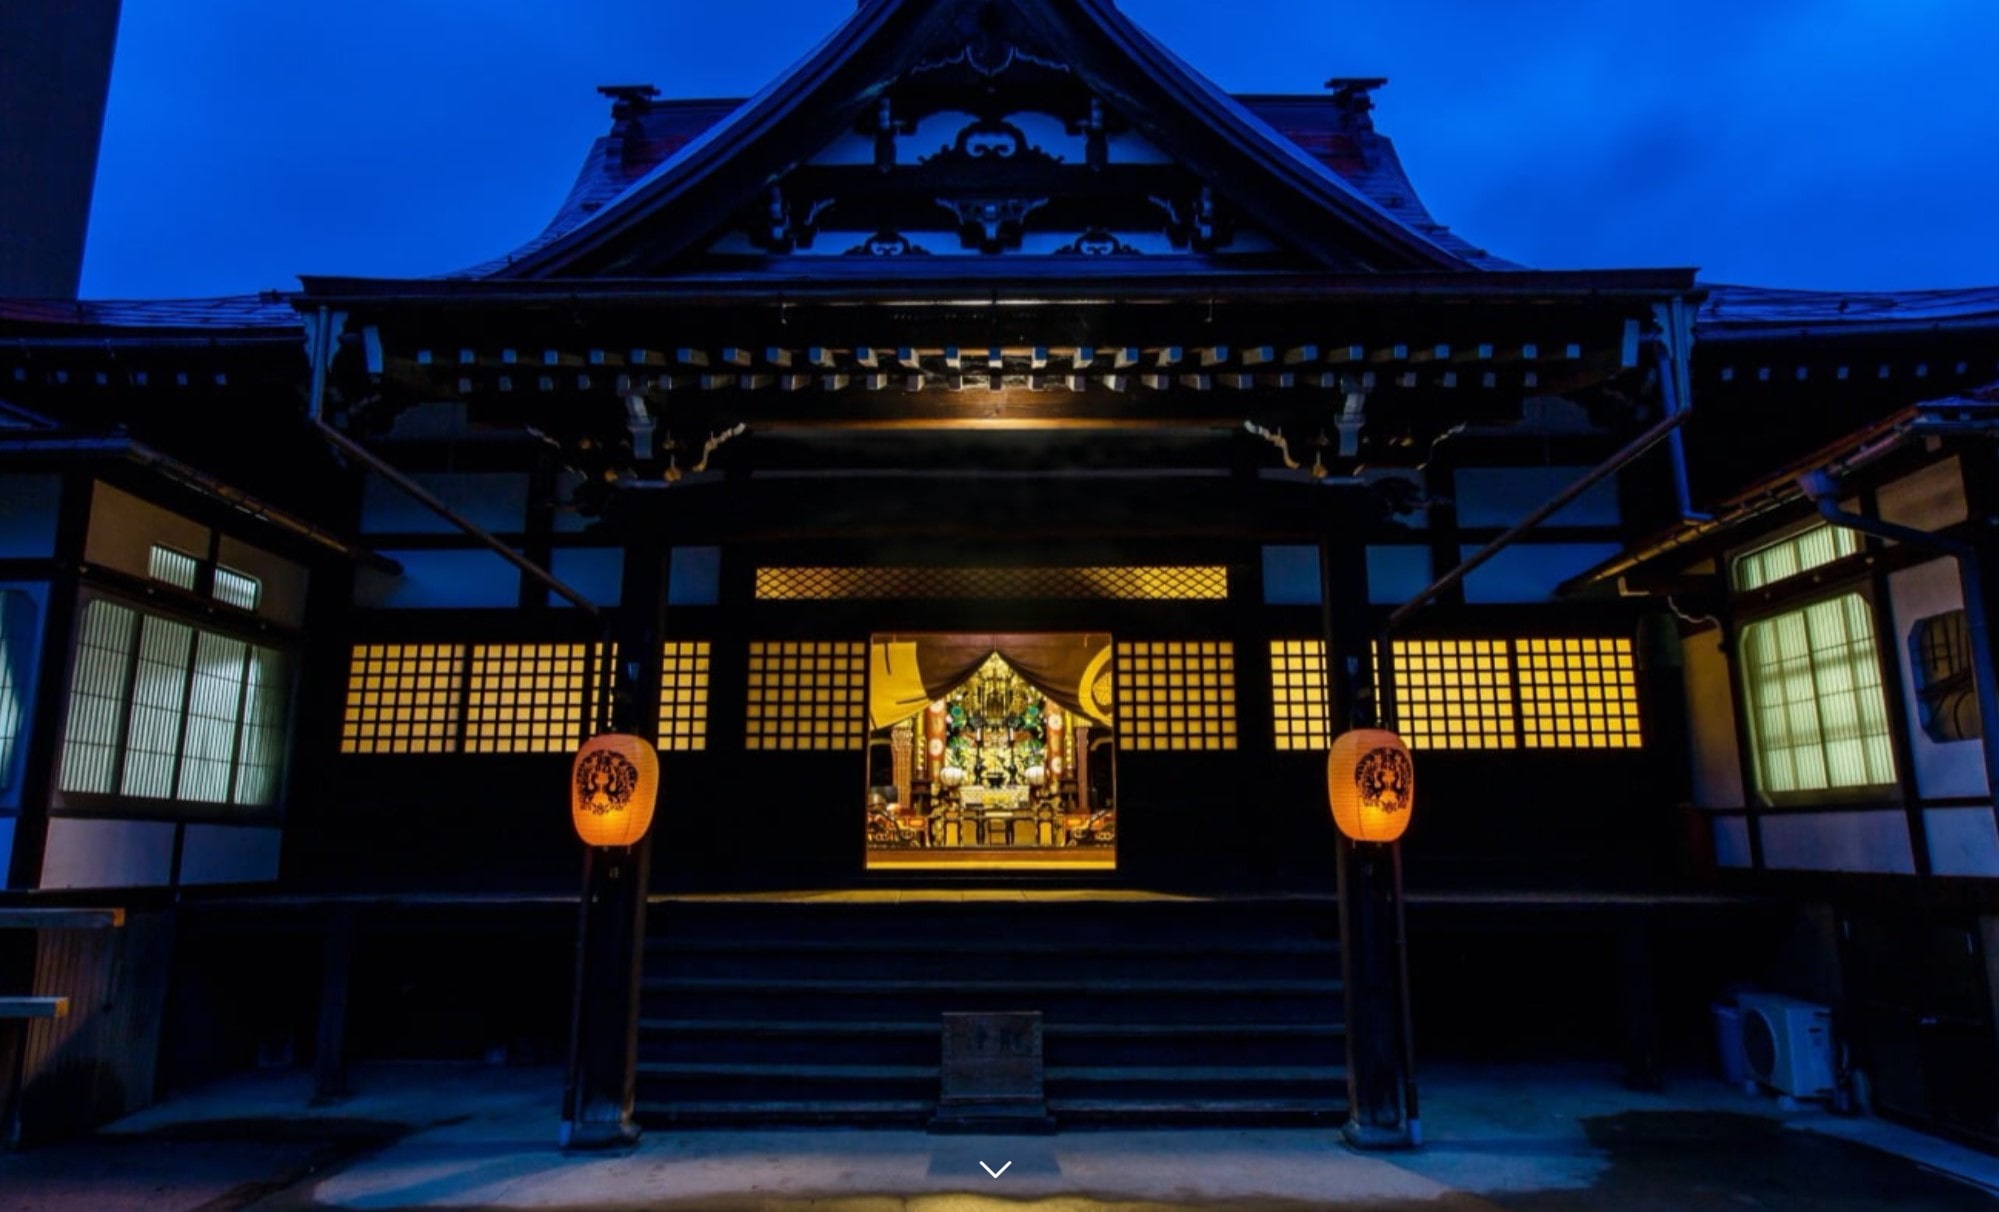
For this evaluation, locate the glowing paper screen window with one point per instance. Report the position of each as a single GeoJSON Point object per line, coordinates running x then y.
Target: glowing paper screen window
{"type": "Point", "coordinates": [527, 698]}
{"type": "Point", "coordinates": [1176, 695]}
{"type": "Point", "coordinates": [1454, 694]}
{"type": "Point", "coordinates": [1818, 715]}
{"type": "Point", "coordinates": [806, 694]}
{"type": "Point", "coordinates": [1577, 693]}
{"type": "Point", "coordinates": [683, 695]}
{"type": "Point", "coordinates": [1298, 694]}
{"type": "Point", "coordinates": [404, 698]}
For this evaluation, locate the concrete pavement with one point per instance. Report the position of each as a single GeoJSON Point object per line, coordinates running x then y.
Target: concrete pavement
{"type": "Point", "coordinates": [1534, 1139]}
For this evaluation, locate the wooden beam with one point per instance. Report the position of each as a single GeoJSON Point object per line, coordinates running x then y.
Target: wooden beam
{"type": "Point", "coordinates": [691, 357]}
{"type": "Point", "coordinates": [1431, 353]}
{"type": "Point", "coordinates": [1301, 353]}
{"type": "Point", "coordinates": [1156, 382]}
{"type": "Point", "coordinates": [874, 380]}
{"type": "Point", "coordinates": [1213, 355]}
{"type": "Point", "coordinates": [867, 356]}
{"type": "Point", "coordinates": [1124, 358]}
{"type": "Point", "coordinates": [738, 358]}
{"type": "Point", "coordinates": [648, 357]}
{"type": "Point", "coordinates": [909, 358]}
{"type": "Point", "coordinates": [794, 382]}
{"type": "Point", "coordinates": [821, 357]}
{"type": "Point", "coordinates": [60, 918]}
{"type": "Point", "coordinates": [1197, 382]}
{"type": "Point", "coordinates": [1258, 355]}
{"type": "Point", "coordinates": [833, 382]}
{"type": "Point", "coordinates": [1346, 353]}
{"type": "Point", "coordinates": [780, 358]}
{"type": "Point", "coordinates": [712, 382]}
{"type": "Point", "coordinates": [1390, 353]}
{"type": "Point", "coordinates": [1168, 355]}
{"type": "Point", "coordinates": [1082, 356]}
{"type": "Point", "coordinates": [1237, 381]}
{"type": "Point", "coordinates": [33, 1007]}
{"type": "Point", "coordinates": [1474, 353]}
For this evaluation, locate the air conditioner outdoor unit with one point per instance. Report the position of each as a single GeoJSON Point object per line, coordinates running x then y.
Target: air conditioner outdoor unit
{"type": "Point", "coordinates": [1788, 1043]}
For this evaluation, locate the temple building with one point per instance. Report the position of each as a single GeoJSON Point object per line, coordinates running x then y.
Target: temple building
{"type": "Point", "coordinates": [994, 462]}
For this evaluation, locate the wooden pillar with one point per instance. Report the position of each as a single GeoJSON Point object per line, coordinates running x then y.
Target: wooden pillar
{"type": "Point", "coordinates": [611, 926]}
{"type": "Point", "coordinates": [1368, 875]}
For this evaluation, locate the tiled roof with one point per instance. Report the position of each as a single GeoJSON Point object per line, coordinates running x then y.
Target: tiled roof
{"type": "Point", "coordinates": [1363, 159]}
{"type": "Point", "coordinates": [1743, 310]}
{"type": "Point", "coordinates": [268, 311]}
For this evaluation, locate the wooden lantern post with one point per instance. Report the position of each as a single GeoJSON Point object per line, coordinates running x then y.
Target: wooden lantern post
{"type": "Point", "coordinates": [613, 787]}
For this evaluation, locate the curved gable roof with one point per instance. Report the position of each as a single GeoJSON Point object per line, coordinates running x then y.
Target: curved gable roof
{"type": "Point", "coordinates": [1267, 176]}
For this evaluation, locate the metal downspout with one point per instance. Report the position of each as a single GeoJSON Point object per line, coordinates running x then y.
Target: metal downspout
{"type": "Point", "coordinates": [1823, 491]}
{"type": "Point", "coordinates": [1675, 355]}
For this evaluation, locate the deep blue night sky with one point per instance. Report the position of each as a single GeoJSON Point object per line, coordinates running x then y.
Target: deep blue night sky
{"type": "Point", "coordinates": [1813, 143]}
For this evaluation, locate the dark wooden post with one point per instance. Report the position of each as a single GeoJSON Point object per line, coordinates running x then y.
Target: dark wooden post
{"type": "Point", "coordinates": [1368, 884]}
{"type": "Point", "coordinates": [329, 1055]}
{"type": "Point", "coordinates": [611, 927]}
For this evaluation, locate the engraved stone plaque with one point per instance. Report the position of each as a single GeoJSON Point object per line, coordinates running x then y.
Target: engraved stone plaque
{"type": "Point", "coordinates": [992, 1074]}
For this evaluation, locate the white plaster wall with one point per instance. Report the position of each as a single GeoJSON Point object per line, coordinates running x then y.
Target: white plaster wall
{"type": "Point", "coordinates": [1862, 840]}
{"type": "Point", "coordinates": [1942, 768]}
{"type": "Point", "coordinates": [1930, 499]}
{"type": "Point", "coordinates": [107, 854]}
{"type": "Point", "coordinates": [1963, 841]}
{"type": "Point", "coordinates": [123, 530]}
{"type": "Point", "coordinates": [1717, 759]}
{"type": "Point", "coordinates": [229, 854]}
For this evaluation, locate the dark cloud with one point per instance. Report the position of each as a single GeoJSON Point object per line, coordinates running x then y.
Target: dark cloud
{"type": "Point", "coordinates": [1828, 143]}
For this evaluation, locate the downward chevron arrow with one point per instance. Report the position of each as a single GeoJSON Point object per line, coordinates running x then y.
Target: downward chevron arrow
{"type": "Point", "coordinates": [995, 1173]}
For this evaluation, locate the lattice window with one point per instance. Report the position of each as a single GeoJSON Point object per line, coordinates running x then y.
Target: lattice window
{"type": "Point", "coordinates": [260, 742]}
{"type": "Point", "coordinates": [161, 709]}
{"type": "Point", "coordinates": [214, 709]}
{"type": "Point", "coordinates": [683, 695]}
{"type": "Point", "coordinates": [1946, 682]}
{"type": "Point", "coordinates": [1454, 694]}
{"type": "Point", "coordinates": [96, 725]}
{"type": "Point", "coordinates": [404, 698]}
{"type": "Point", "coordinates": [1577, 693]}
{"type": "Point", "coordinates": [527, 698]}
{"type": "Point", "coordinates": [17, 635]}
{"type": "Point", "coordinates": [176, 568]}
{"type": "Point", "coordinates": [1802, 552]}
{"type": "Point", "coordinates": [238, 589]}
{"type": "Point", "coordinates": [1817, 713]}
{"type": "Point", "coordinates": [806, 695]}
{"type": "Point", "coordinates": [1192, 583]}
{"type": "Point", "coordinates": [1300, 716]}
{"type": "Point", "coordinates": [159, 697]}
{"type": "Point", "coordinates": [1176, 695]}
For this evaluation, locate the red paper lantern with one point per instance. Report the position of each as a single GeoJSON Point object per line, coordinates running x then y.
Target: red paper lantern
{"type": "Point", "coordinates": [613, 788]}
{"type": "Point", "coordinates": [1371, 783]}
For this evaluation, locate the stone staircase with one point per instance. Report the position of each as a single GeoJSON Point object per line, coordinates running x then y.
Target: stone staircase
{"type": "Point", "coordinates": [829, 1011]}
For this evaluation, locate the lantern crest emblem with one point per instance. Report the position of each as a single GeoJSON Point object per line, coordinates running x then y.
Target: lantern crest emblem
{"type": "Point", "coordinates": [1383, 777]}
{"type": "Point", "coordinates": [1371, 784]}
{"type": "Point", "coordinates": [605, 781]}
{"type": "Point", "coordinates": [613, 788]}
